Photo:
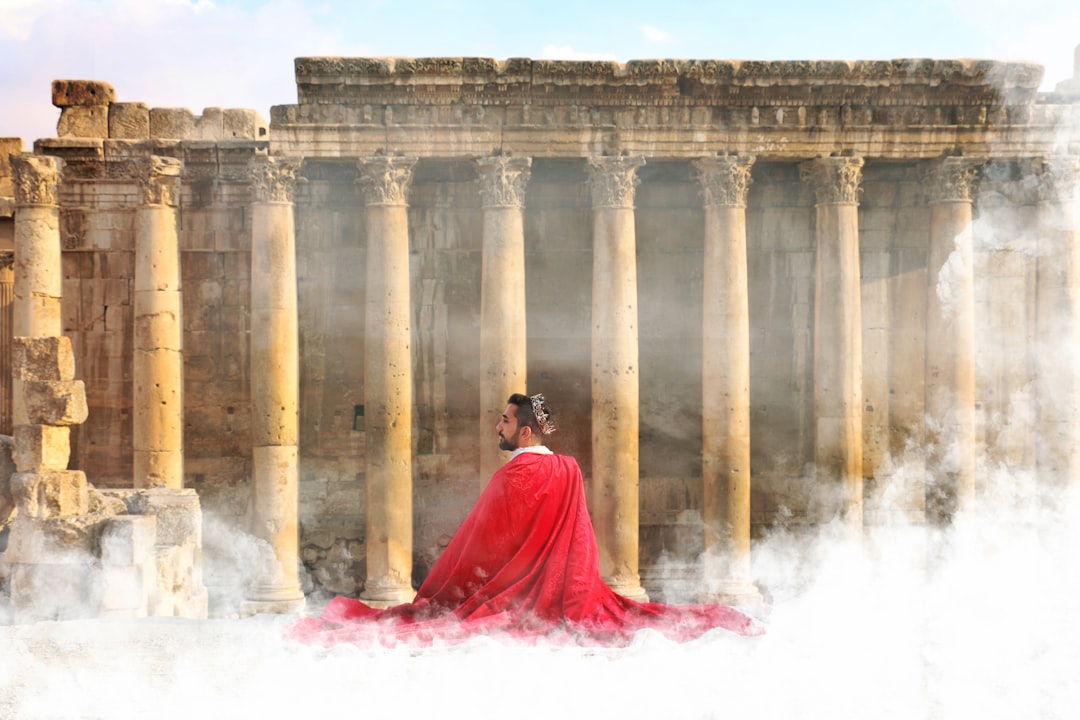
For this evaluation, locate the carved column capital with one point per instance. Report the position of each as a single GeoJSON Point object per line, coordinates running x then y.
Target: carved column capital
{"type": "Point", "coordinates": [36, 179]}
{"type": "Point", "coordinates": [385, 180]}
{"type": "Point", "coordinates": [724, 180]}
{"type": "Point", "coordinates": [158, 180]}
{"type": "Point", "coordinates": [953, 178]}
{"type": "Point", "coordinates": [273, 180]}
{"type": "Point", "coordinates": [502, 180]}
{"type": "Point", "coordinates": [1059, 178]}
{"type": "Point", "coordinates": [835, 180]}
{"type": "Point", "coordinates": [613, 179]}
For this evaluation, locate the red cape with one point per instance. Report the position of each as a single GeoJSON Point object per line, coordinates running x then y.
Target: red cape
{"type": "Point", "coordinates": [523, 563]}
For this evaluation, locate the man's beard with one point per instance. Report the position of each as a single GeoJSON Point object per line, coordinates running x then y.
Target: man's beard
{"type": "Point", "coordinates": [510, 444]}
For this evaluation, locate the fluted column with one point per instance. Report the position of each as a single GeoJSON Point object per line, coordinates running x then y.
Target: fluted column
{"type": "Point", "coordinates": [388, 380]}
{"type": "Point", "coordinates": [725, 383]}
{"type": "Point", "coordinates": [38, 275]}
{"type": "Point", "coordinates": [502, 296]}
{"type": "Point", "coordinates": [275, 388]}
{"type": "Point", "coordinates": [158, 363]}
{"type": "Point", "coordinates": [950, 340]}
{"type": "Point", "coordinates": [615, 372]}
{"type": "Point", "coordinates": [837, 339]}
{"type": "Point", "coordinates": [1058, 323]}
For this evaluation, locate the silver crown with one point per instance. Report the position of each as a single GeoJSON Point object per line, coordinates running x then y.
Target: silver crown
{"type": "Point", "coordinates": [543, 418]}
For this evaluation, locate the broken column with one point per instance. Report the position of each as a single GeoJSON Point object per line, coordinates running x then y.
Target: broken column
{"type": "Point", "coordinates": [615, 372]}
{"type": "Point", "coordinates": [502, 297]}
{"type": "Point", "coordinates": [275, 388]}
{"type": "Point", "coordinates": [158, 365]}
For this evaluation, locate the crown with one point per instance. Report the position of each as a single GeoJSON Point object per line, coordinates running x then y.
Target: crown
{"type": "Point", "coordinates": [543, 417]}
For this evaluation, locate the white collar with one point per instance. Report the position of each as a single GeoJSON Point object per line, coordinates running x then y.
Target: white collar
{"type": "Point", "coordinates": [538, 449]}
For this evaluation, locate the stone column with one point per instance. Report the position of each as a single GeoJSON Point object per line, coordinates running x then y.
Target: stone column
{"type": "Point", "coordinates": [950, 340]}
{"type": "Point", "coordinates": [837, 340]}
{"type": "Point", "coordinates": [388, 381]}
{"type": "Point", "coordinates": [275, 388]}
{"type": "Point", "coordinates": [502, 297]}
{"type": "Point", "coordinates": [158, 363]}
{"type": "Point", "coordinates": [38, 273]}
{"type": "Point", "coordinates": [1058, 324]}
{"type": "Point", "coordinates": [615, 372]}
{"type": "Point", "coordinates": [725, 412]}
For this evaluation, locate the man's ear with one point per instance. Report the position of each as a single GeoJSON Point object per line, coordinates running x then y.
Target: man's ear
{"type": "Point", "coordinates": [526, 432]}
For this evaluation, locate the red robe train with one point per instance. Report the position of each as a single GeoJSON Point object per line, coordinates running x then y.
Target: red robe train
{"type": "Point", "coordinates": [525, 564]}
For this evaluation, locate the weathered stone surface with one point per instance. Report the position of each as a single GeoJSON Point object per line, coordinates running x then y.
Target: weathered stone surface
{"type": "Point", "coordinates": [70, 93]}
{"type": "Point", "coordinates": [53, 402]}
{"type": "Point", "coordinates": [128, 540]}
{"type": "Point", "coordinates": [173, 123]}
{"type": "Point", "coordinates": [55, 494]}
{"type": "Point", "coordinates": [7, 469]}
{"type": "Point", "coordinates": [83, 122]}
{"type": "Point", "coordinates": [243, 124]}
{"type": "Point", "coordinates": [43, 358]}
{"type": "Point", "coordinates": [129, 121]}
{"type": "Point", "coordinates": [179, 518]}
{"type": "Point", "coordinates": [42, 447]}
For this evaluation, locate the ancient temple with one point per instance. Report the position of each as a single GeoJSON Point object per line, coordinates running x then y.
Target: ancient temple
{"type": "Point", "coordinates": [754, 293]}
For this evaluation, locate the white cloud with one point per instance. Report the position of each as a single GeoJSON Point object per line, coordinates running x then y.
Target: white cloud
{"type": "Point", "coordinates": [655, 35]}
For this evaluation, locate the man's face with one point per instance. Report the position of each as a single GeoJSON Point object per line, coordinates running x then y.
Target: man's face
{"type": "Point", "coordinates": [509, 432]}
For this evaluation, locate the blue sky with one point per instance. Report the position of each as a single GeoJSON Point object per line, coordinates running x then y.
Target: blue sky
{"type": "Point", "coordinates": [238, 53]}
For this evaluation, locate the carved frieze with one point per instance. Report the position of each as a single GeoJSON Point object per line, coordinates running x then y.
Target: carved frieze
{"type": "Point", "coordinates": [35, 178]}
{"type": "Point", "coordinates": [834, 179]}
{"type": "Point", "coordinates": [157, 178]}
{"type": "Point", "coordinates": [612, 180]}
{"type": "Point", "coordinates": [274, 179]}
{"type": "Point", "coordinates": [953, 178]}
{"type": "Point", "coordinates": [502, 180]}
{"type": "Point", "coordinates": [385, 180]}
{"type": "Point", "coordinates": [724, 180]}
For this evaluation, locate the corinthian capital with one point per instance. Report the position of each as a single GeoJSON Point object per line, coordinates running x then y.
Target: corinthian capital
{"type": "Point", "coordinates": [36, 178]}
{"type": "Point", "coordinates": [613, 179]}
{"type": "Point", "coordinates": [503, 180]}
{"type": "Point", "coordinates": [953, 178]}
{"type": "Point", "coordinates": [724, 180]}
{"type": "Point", "coordinates": [385, 180]}
{"type": "Point", "coordinates": [835, 179]}
{"type": "Point", "coordinates": [158, 180]}
{"type": "Point", "coordinates": [273, 179]}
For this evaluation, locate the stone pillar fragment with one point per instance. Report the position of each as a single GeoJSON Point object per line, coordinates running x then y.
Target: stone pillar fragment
{"type": "Point", "coordinates": [726, 378]}
{"type": "Point", "coordinates": [950, 340]}
{"type": "Point", "coordinates": [615, 372]}
{"type": "Point", "coordinates": [838, 353]}
{"type": "Point", "coordinates": [38, 275]}
{"type": "Point", "coordinates": [158, 365]}
{"type": "Point", "coordinates": [388, 381]}
{"type": "Point", "coordinates": [1058, 324]}
{"type": "Point", "coordinates": [502, 297]}
{"type": "Point", "coordinates": [275, 388]}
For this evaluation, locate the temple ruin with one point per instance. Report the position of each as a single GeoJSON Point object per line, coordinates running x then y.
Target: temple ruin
{"type": "Point", "coordinates": [754, 293]}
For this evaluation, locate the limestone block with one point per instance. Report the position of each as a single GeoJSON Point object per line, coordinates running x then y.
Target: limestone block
{"type": "Point", "coordinates": [50, 402]}
{"type": "Point", "coordinates": [158, 320]}
{"type": "Point", "coordinates": [173, 124]}
{"type": "Point", "coordinates": [129, 121]}
{"type": "Point", "coordinates": [212, 124]}
{"type": "Point", "coordinates": [44, 495]}
{"type": "Point", "coordinates": [71, 93]}
{"type": "Point", "coordinates": [42, 447]}
{"type": "Point", "coordinates": [83, 122]}
{"type": "Point", "coordinates": [124, 588]}
{"type": "Point", "coordinates": [179, 517]}
{"type": "Point", "coordinates": [242, 124]}
{"type": "Point", "coordinates": [128, 540]}
{"type": "Point", "coordinates": [51, 591]}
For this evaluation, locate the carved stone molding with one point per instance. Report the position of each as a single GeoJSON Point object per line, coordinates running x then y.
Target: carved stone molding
{"type": "Point", "coordinates": [158, 180]}
{"type": "Point", "coordinates": [274, 179]}
{"type": "Point", "coordinates": [953, 179]}
{"type": "Point", "coordinates": [36, 179]}
{"type": "Point", "coordinates": [385, 180]}
{"type": "Point", "coordinates": [502, 180]}
{"type": "Point", "coordinates": [835, 180]}
{"type": "Point", "coordinates": [724, 180]}
{"type": "Point", "coordinates": [612, 180]}
{"type": "Point", "coordinates": [1059, 178]}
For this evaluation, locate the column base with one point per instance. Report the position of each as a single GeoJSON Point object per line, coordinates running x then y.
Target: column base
{"type": "Point", "coordinates": [385, 597]}
{"type": "Point", "coordinates": [741, 593]}
{"type": "Point", "coordinates": [272, 599]}
{"type": "Point", "coordinates": [631, 589]}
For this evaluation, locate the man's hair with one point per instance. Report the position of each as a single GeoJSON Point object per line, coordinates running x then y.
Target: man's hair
{"type": "Point", "coordinates": [526, 415]}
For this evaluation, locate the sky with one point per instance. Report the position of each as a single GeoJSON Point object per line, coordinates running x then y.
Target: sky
{"type": "Point", "coordinates": [239, 53]}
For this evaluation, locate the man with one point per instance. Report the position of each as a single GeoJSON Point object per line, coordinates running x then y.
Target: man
{"type": "Point", "coordinates": [523, 563]}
